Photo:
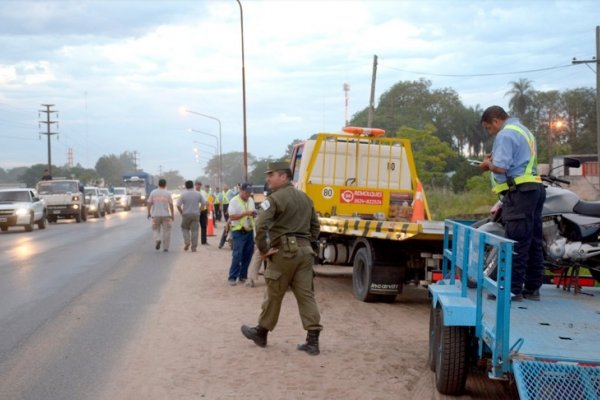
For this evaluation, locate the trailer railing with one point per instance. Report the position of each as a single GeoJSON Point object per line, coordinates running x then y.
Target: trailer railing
{"type": "Point", "coordinates": [466, 252]}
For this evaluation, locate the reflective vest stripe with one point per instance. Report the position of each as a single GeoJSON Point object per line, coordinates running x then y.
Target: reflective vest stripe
{"type": "Point", "coordinates": [528, 176]}
{"type": "Point", "coordinates": [244, 221]}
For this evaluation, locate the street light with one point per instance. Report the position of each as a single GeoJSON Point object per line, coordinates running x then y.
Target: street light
{"type": "Point", "coordinates": [185, 110]}
{"type": "Point", "coordinates": [217, 149]}
{"type": "Point", "coordinates": [244, 94]}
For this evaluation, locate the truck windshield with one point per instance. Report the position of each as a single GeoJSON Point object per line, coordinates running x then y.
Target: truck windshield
{"type": "Point", "coordinates": [14, 196]}
{"type": "Point", "coordinates": [50, 187]}
{"type": "Point", "coordinates": [90, 192]}
{"type": "Point", "coordinates": [119, 191]}
{"type": "Point", "coordinates": [135, 184]}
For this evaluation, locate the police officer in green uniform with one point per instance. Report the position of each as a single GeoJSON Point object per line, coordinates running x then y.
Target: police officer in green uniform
{"type": "Point", "coordinates": [286, 226]}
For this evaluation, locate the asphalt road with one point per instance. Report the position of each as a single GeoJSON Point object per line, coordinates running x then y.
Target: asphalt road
{"type": "Point", "coordinates": [70, 298]}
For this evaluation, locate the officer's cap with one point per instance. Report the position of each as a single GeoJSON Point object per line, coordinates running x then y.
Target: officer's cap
{"type": "Point", "coordinates": [277, 166]}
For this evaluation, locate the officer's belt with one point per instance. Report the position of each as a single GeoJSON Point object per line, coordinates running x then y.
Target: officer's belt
{"type": "Point", "coordinates": [300, 240]}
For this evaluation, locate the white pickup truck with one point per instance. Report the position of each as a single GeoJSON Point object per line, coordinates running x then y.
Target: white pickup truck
{"type": "Point", "coordinates": [64, 199]}
{"type": "Point", "coordinates": [21, 207]}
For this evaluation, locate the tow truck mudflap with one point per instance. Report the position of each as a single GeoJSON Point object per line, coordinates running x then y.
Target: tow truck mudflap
{"type": "Point", "coordinates": [386, 280]}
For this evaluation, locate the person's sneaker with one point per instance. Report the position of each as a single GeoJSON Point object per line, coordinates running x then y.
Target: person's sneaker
{"type": "Point", "coordinates": [186, 247]}
{"type": "Point", "coordinates": [165, 250]}
{"type": "Point", "coordinates": [193, 249]}
{"type": "Point", "coordinates": [242, 281]}
{"type": "Point", "coordinates": [250, 283]}
{"type": "Point", "coordinates": [231, 283]}
{"type": "Point", "coordinates": [516, 297]}
{"type": "Point", "coordinates": [533, 295]}
{"type": "Point", "coordinates": [157, 245]}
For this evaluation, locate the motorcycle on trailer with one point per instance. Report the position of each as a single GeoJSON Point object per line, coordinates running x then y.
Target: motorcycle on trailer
{"type": "Point", "coordinates": [571, 228]}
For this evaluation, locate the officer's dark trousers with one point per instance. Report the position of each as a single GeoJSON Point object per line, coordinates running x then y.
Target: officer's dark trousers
{"type": "Point", "coordinates": [203, 223]}
{"type": "Point", "coordinates": [522, 216]}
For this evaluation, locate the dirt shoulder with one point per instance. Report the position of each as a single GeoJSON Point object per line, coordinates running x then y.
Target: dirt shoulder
{"type": "Point", "coordinates": [190, 346]}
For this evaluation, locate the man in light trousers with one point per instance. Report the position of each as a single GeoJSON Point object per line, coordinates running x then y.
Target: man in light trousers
{"type": "Point", "coordinates": [160, 208]}
{"type": "Point", "coordinates": [189, 204]}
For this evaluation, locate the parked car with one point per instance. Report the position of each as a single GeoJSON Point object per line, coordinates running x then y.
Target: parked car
{"type": "Point", "coordinates": [109, 200]}
{"type": "Point", "coordinates": [94, 202]}
{"type": "Point", "coordinates": [21, 207]}
{"type": "Point", "coordinates": [122, 198]}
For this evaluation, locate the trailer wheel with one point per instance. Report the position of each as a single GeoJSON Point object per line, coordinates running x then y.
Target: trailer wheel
{"type": "Point", "coordinates": [434, 336]}
{"type": "Point", "coordinates": [451, 366]}
{"type": "Point", "coordinates": [362, 276]}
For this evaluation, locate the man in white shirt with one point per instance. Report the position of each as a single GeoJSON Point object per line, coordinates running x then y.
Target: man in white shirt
{"type": "Point", "coordinates": [160, 208]}
{"type": "Point", "coordinates": [241, 221]}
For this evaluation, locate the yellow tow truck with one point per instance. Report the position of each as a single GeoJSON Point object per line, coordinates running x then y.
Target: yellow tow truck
{"type": "Point", "coordinates": [372, 210]}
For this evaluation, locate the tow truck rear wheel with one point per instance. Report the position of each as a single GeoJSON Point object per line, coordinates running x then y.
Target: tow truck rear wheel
{"type": "Point", "coordinates": [451, 366]}
{"type": "Point", "coordinates": [78, 217]}
{"type": "Point", "coordinates": [362, 273]}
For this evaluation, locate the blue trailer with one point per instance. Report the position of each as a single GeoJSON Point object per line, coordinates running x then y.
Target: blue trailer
{"type": "Point", "coordinates": [139, 185]}
{"type": "Point", "coordinates": [551, 348]}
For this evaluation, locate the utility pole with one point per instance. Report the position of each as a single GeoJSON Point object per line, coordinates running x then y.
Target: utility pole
{"type": "Point", "coordinates": [49, 132]}
{"type": "Point", "coordinates": [135, 160]}
{"type": "Point", "coordinates": [160, 171]}
{"type": "Point", "coordinates": [346, 100]}
{"type": "Point", "coordinates": [372, 100]}
{"type": "Point", "coordinates": [596, 60]}
{"type": "Point", "coordinates": [70, 157]}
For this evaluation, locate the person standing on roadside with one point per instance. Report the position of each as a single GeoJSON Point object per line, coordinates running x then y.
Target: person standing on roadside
{"type": "Point", "coordinates": [203, 213]}
{"type": "Point", "coordinates": [225, 202]}
{"type": "Point", "coordinates": [217, 204]}
{"type": "Point", "coordinates": [241, 224]}
{"type": "Point", "coordinates": [160, 209]}
{"type": "Point", "coordinates": [46, 176]}
{"type": "Point", "coordinates": [513, 164]}
{"type": "Point", "coordinates": [189, 204]}
{"type": "Point", "coordinates": [289, 221]}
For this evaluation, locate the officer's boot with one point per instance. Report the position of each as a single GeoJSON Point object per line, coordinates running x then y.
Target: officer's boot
{"type": "Point", "coordinates": [312, 343]}
{"type": "Point", "coordinates": [258, 334]}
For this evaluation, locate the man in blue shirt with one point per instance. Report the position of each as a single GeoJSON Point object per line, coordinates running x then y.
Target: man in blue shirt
{"type": "Point", "coordinates": [513, 163]}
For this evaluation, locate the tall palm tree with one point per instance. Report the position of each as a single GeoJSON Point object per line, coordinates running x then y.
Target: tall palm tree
{"type": "Point", "coordinates": [521, 96]}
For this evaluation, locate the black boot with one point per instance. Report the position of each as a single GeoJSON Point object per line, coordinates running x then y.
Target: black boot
{"type": "Point", "coordinates": [258, 334]}
{"type": "Point", "coordinates": [312, 343]}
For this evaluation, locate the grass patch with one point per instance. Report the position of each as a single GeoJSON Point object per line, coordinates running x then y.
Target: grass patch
{"type": "Point", "coordinates": [444, 203]}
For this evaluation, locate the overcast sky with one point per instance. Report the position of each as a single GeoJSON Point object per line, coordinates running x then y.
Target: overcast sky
{"type": "Point", "coordinates": [118, 72]}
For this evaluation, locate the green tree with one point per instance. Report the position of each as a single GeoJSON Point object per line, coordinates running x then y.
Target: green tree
{"type": "Point", "coordinates": [521, 97]}
{"type": "Point", "coordinates": [233, 167]}
{"type": "Point", "coordinates": [173, 178]}
{"type": "Point", "coordinates": [430, 153]}
{"type": "Point", "coordinates": [257, 177]}
{"type": "Point", "coordinates": [413, 104]}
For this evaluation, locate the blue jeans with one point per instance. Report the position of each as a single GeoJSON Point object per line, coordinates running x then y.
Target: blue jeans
{"type": "Point", "coordinates": [243, 247]}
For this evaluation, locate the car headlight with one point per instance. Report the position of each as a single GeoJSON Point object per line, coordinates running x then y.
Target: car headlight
{"type": "Point", "coordinates": [75, 198]}
{"type": "Point", "coordinates": [21, 211]}
{"type": "Point", "coordinates": [106, 200]}
{"type": "Point", "coordinates": [143, 197]}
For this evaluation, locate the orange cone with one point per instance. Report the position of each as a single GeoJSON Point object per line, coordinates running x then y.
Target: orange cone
{"type": "Point", "coordinates": [418, 212]}
{"type": "Point", "coordinates": [210, 226]}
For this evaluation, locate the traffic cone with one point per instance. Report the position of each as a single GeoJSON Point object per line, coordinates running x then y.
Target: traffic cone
{"type": "Point", "coordinates": [418, 208]}
{"type": "Point", "coordinates": [210, 226]}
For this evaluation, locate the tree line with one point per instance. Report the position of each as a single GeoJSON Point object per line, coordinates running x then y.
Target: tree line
{"type": "Point", "coordinates": [444, 133]}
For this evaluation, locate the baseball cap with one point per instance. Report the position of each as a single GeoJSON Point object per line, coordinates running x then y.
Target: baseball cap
{"type": "Point", "coordinates": [246, 187]}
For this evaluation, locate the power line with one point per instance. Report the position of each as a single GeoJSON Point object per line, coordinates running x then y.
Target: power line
{"type": "Point", "coordinates": [479, 75]}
